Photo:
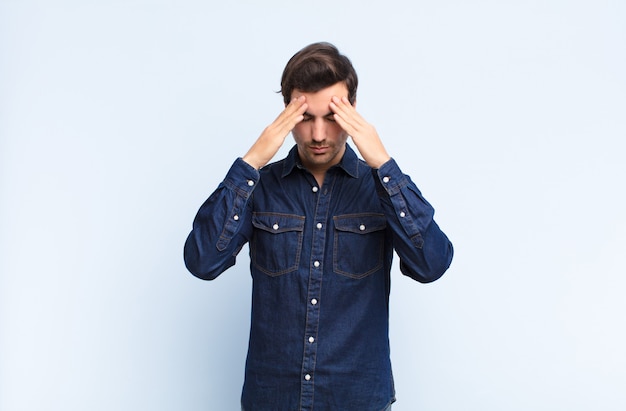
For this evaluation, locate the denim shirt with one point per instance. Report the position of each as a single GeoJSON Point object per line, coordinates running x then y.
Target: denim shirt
{"type": "Point", "coordinates": [320, 259]}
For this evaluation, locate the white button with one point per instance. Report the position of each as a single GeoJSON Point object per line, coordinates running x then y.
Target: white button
{"type": "Point", "coordinates": [319, 225]}
{"type": "Point", "coordinates": [250, 183]}
{"type": "Point", "coordinates": [307, 377]}
{"type": "Point", "coordinates": [385, 179]}
{"type": "Point", "coordinates": [275, 226]}
{"type": "Point", "coordinates": [362, 227]}
{"type": "Point", "coordinates": [236, 217]}
{"type": "Point", "coordinates": [316, 264]}
{"type": "Point", "coordinates": [311, 340]}
{"type": "Point", "coordinates": [402, 214]}
{"type": "Point", "coordinates": [315, 189]}
{"type": "Point", "coordinates": [314, 301]}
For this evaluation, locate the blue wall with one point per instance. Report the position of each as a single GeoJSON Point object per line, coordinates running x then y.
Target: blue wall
{"type": "Point", "coordinates": [118, 118]}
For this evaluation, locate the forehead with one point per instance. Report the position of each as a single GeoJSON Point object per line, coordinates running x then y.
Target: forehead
{"type": "Point", "coordinates": [319, 101]}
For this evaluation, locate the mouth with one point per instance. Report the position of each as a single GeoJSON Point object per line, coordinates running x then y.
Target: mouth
{"type": "Point", "coordinates": [318, 150]}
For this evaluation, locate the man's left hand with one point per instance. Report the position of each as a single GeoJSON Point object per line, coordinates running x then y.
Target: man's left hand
{"type": "Point", "coordinates": [363, 134]}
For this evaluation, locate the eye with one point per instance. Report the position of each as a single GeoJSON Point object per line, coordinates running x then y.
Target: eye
{"type": "Point", "coordinates": [330, 118]}
{"type": "Point", "coordinates": [307, 118]}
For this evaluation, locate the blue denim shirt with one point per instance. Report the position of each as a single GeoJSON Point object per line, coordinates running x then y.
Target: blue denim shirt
{"type": "Point", "coordinates": [320, 259]}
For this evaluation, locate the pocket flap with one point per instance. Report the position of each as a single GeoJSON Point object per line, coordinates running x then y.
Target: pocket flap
{"type": "Point", "coordinates": [360, 223]}
{"type": "Point", "coordinates": [277, 222]}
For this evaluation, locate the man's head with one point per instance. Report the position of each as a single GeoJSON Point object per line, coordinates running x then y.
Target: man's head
{"type": "Point", "coordinates": [315, 67]}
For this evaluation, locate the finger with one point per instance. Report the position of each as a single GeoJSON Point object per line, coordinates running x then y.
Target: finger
{"type": "Point", "coordinates": [296, 107]}
{"type": "Point", "coordinates": [343, 103]}
{"type": "Point", "coordinates": [292, 114]}
{"type": "Point", "coordinates": [296, 116]}
{"type": "Point", "coordinates": [347, 118]}
{"type": "Point", "coordinates": [347, 126]}
{"type": "Point", "coordinates": [343, 108]}
{"type": "Point", "coordinates": [295, 104]}
{"type": "Point", "coordinates": [338, 106]}
{"type": "Point", "coordinates": [293, 107]}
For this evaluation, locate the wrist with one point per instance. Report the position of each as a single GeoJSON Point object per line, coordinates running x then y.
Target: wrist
{"type": "Point", "coordinates": [251, 161]}
{"type": "Point", "coordinates": [378, 161]}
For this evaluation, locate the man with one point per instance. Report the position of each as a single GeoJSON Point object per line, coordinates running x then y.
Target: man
{"type": "Point", "coordinates": [321, 226]}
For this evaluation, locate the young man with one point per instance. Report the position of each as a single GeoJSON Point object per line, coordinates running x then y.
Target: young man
{"type": "Point", "coordinates": [321, 226]}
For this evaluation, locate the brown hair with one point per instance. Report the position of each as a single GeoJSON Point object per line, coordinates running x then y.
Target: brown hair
{"type": "Point", "coordinates": [315, 67]}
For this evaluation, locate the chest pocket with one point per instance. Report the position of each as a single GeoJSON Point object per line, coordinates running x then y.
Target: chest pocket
{"type": "Point", "coordinates": [276, 243]}
{"type": "Point", "coordinates": [359, 244]}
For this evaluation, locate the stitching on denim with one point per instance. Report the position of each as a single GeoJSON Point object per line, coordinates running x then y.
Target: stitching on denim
{"type": "Point", "coordinates": [378, 230]}
{"type": "Point", "coordinates": [299, 229]}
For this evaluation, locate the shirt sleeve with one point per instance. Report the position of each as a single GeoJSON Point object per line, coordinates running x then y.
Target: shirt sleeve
{"type": "Point", "coordinates": [424, 250]}
{"type": "Point", "coordinates": [223, 224]}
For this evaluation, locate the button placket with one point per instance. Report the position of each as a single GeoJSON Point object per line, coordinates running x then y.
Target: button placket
{"type": "Point", "coordinates": [316, 268]}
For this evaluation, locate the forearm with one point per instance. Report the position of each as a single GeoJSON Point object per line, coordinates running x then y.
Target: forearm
{"type": "Point", "coordinates": [424, 250]}
{"type": "Point", "coordinates": [222, 225]}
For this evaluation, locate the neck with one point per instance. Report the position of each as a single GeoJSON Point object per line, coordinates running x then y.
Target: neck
{"type": "Point", "coordinates": [319, 177]}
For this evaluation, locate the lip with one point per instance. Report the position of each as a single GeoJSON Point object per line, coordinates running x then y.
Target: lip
{"type": "Point", "coordinates": [318, 150]}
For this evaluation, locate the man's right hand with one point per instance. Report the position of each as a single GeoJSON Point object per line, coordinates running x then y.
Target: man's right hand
{"type": "Point", "coordinates": [273, 137]}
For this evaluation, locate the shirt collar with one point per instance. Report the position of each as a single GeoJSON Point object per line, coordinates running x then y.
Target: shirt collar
{"type": "Point", "coordinates": [349, 162]}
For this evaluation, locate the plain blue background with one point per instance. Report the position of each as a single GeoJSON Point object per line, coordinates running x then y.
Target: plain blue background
{"type": "Point", "coordinates": [118, 118]}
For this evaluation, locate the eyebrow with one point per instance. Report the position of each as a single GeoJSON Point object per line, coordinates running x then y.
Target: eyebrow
{"type": "Point", "coordinates": [307, 114]}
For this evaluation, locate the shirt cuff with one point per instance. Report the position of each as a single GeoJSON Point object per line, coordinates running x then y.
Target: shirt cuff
{"type": "Point", "coordinates": [242, 177]}
{"type": "Point", "coordinates": [389, 178]}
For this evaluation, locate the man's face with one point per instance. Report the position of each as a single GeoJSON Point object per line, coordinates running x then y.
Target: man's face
{"type": "Point", "coordinates": [321, 141]}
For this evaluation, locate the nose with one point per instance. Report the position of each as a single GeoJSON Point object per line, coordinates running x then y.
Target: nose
{"type": "Point", "coordinates": [318, 132]}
